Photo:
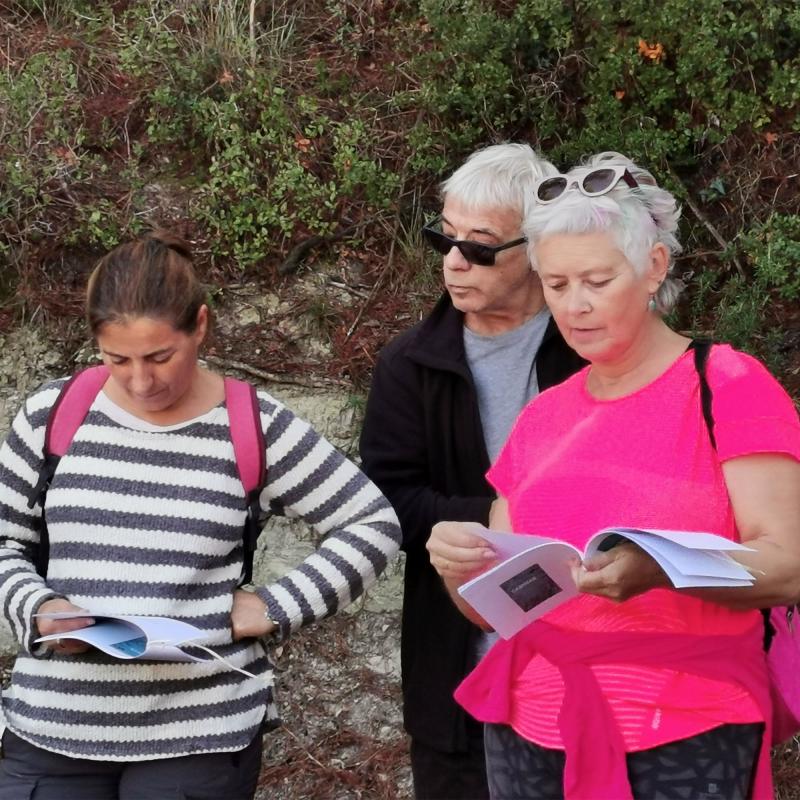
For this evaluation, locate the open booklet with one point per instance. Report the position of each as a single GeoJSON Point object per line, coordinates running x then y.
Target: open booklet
{"type": "Point", "coordinates": [159, 638]}
{"type": "Point", "coordinates": [534, 574]}
{"type": "Point", "coordinates": [128, 637]}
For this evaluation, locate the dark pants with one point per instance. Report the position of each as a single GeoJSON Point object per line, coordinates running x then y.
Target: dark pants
{"type": "Point", "coordinates": [30, 773]}
{"type": "Point", "coordinates": [715, 765]}
{"type": "Point", "coordinates": [451, 776]}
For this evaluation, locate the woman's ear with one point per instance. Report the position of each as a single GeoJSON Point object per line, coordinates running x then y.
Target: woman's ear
{"type": "Point", "coordinates": [658, 267]}
{"type": "Point", "coordinates": [201, 326]}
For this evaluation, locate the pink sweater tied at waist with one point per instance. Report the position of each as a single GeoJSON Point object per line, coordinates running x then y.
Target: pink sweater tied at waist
{"type": "Point", "coordinates": [594, 748]}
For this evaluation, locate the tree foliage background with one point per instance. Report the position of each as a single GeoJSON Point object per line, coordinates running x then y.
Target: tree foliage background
{"type": "Point", "coordinates": [267, 123]}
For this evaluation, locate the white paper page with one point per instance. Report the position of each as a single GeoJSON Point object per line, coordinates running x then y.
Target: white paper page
{"type": "Point", "coordinates": [168, 653]}
{"type": "Point", "coordinates": [167, 630]}
{"type": "Point", "coordinates": [694, 540]}
{"type": "Point", "coordinates": [506, 544]}
{"type": "Point", "coordinates": [695, 562]}
{"type": "Point", "coordinates": [117, 638]}
{"type": "Point", "coordinates": [679, 579]}
{"type": "Point", "coordinates": [696, 582]}
{"type": "Point", "coordinates": [689, 562]}
{"type": "Point", "coordinates": [522, 588]}
{"type": "Point", "coordinates": [163, 629]}
{"type": "Point", "coordinates": [131, 636]}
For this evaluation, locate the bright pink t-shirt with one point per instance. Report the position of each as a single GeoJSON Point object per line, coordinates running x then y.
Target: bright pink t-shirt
{"type": "Point", "coordinates": [574, 464]}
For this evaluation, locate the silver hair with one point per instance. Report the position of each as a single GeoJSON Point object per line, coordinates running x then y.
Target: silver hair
{"type": "Point", "coordinates": [498, 176]}
{"type": "Point", "coordinates": [637, 219]}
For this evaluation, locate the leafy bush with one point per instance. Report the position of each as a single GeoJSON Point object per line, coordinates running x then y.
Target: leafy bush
{"type": "Point", "coordinates": [277, 166]}
{"type": "Point", "coordinates": [317, 117]}
{"type": "Point", "coordinates": [744, 307]}
{"type": "Point", "coordinates": [660, 82]}
{"type": "Point", "coordinates": [278, 162]}
{"type": "Point", "coordinates": [41, 140]}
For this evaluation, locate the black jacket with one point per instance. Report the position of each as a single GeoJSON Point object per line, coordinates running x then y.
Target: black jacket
{"type": "Point", "coordinates": [423, 445]}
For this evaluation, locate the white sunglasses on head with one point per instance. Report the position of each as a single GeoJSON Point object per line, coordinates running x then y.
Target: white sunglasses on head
{"type": "Point", "coordinates": [594, 183]}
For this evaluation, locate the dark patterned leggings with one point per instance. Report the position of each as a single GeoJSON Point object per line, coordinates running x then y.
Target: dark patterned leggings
{"type": "Point", "coordinates": [715, 765]}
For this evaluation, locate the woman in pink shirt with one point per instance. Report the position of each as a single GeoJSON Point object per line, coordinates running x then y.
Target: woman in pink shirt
{"type": "Point", "coordinates": [633, 688]}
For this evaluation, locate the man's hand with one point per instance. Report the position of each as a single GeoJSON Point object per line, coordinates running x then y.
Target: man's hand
{"type": "Point", "coordinates": [619, 573]}
{"type": "Point", "coordinates": [456, 553]}
{"type": "Point", "coordinates": [248, 616]}
{"type": "Point", "coordinates": [64, 647]}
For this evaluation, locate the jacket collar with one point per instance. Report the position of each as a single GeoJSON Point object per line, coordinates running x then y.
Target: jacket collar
{"type": "Point", "coordinates": [439, 340]}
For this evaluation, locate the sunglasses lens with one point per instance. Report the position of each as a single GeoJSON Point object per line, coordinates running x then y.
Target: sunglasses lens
{"type": "Point", "coordinates": [477, 254]}
{"type": "Point", "coordinates": [598, 181]}
{"type": "Point", "coordinates": [550, 189]}
{"type": "Point", "coordinates": [438, 241]}
{"type": "Point", "coordinates": [474, 252]}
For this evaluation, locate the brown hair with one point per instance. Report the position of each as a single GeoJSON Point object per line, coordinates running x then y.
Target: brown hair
{"type": "Point", "coordinates": [152, 276]}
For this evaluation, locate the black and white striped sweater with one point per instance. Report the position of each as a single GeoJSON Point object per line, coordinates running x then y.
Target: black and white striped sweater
{"type": "Point", "coordinates": [148, 520]}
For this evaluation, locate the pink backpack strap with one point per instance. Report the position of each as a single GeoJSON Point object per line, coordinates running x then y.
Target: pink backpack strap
{"type": "Point", "coordinates": [244, 419]}
{"type": "Point", "coordinates": [246, 433]}
{"type": "Point", "coordinates": [783, 665]}
{"type": "Point", "coordinates": [66, 416]}
{"type": "Point", "coordinates": [71, 408]}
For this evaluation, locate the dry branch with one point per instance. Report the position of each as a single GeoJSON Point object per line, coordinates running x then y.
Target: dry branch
{"type": "Point", "coordinates": [272, 377]}
{"type": "Point", "coordinates": [701, 217]}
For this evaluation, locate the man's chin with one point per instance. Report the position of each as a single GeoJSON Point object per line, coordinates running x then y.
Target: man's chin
{"type": "Point", "coordinates": [465, 302]}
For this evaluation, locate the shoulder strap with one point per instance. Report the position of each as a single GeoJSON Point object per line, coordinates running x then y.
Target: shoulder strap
{"type": "Point", "coordinates": [68, 412]}
{"type": "Point", "coordinates": [701, 348]}
{"type": "Point", "coordinates": [71, 408]}
{"type": "Point", "coordinates": [250, 451]}
{"type": "Point", "coordinates": [246, 434]}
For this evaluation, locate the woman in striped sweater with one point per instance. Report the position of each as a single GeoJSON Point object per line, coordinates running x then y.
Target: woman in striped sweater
{"type": "Point", "coordinates": [145, 517]}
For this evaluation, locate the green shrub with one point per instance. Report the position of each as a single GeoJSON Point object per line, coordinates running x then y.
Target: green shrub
{"type": "Point", "coordinates": [41, 140]}
{"type": "Point", "coordinates": [268, 177]}
{"type": "Point", "coordinates": [325, 115]}
{"type": "Point", "coordinates": [743, 309]}
{"type": "Point", "coordinates": [661, 82]}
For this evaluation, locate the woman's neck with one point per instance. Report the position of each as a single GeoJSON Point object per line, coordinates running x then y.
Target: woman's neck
{"type": "Point", "coordinates": [648, 357]}
{"type": "Point", "coordinates": [206, 391]}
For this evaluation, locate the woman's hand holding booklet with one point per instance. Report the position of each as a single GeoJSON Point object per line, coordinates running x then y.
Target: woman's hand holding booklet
{"type": "Point", "coordinates": [534, 574]}
{"type": "Point", "coordinates": [127, 637]}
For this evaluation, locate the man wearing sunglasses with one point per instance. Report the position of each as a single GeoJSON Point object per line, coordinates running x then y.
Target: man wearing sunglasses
{"type": "Point", "coordinates": [443, 399]}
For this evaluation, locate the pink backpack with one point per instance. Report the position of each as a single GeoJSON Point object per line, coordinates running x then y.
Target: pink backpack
{"type": "Point", "coordinates": [780, 637]}
{"type": "Point", "coordinates": [783, 663]}
{"type": "Point", "coordinates": [71, 408]}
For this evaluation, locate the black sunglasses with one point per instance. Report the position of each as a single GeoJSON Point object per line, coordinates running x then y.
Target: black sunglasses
{"type": "Point", "coordinates": [592, 184]}
{"type": "Point", "coordinates": [483, 255]}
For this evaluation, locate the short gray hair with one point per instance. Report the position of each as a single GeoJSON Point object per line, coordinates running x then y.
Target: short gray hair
{"type": "Point", "coordinates": [637, 219]}
{"type": "Point", "coordinates": [498, 176]}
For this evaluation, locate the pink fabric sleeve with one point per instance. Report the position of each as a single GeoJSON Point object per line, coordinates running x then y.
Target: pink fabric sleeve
{"type": "Point", "coordinates": [752, 411]}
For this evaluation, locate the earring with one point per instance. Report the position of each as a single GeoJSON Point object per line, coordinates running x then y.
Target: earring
{"type": "Point", "coordinates": [651, 303]}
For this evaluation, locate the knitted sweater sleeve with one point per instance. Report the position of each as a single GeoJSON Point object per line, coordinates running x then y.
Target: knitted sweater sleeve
{"type": "Point", "coordinates": [22, 591]}
{"type": "Point", "coordinates": [312, 480]}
